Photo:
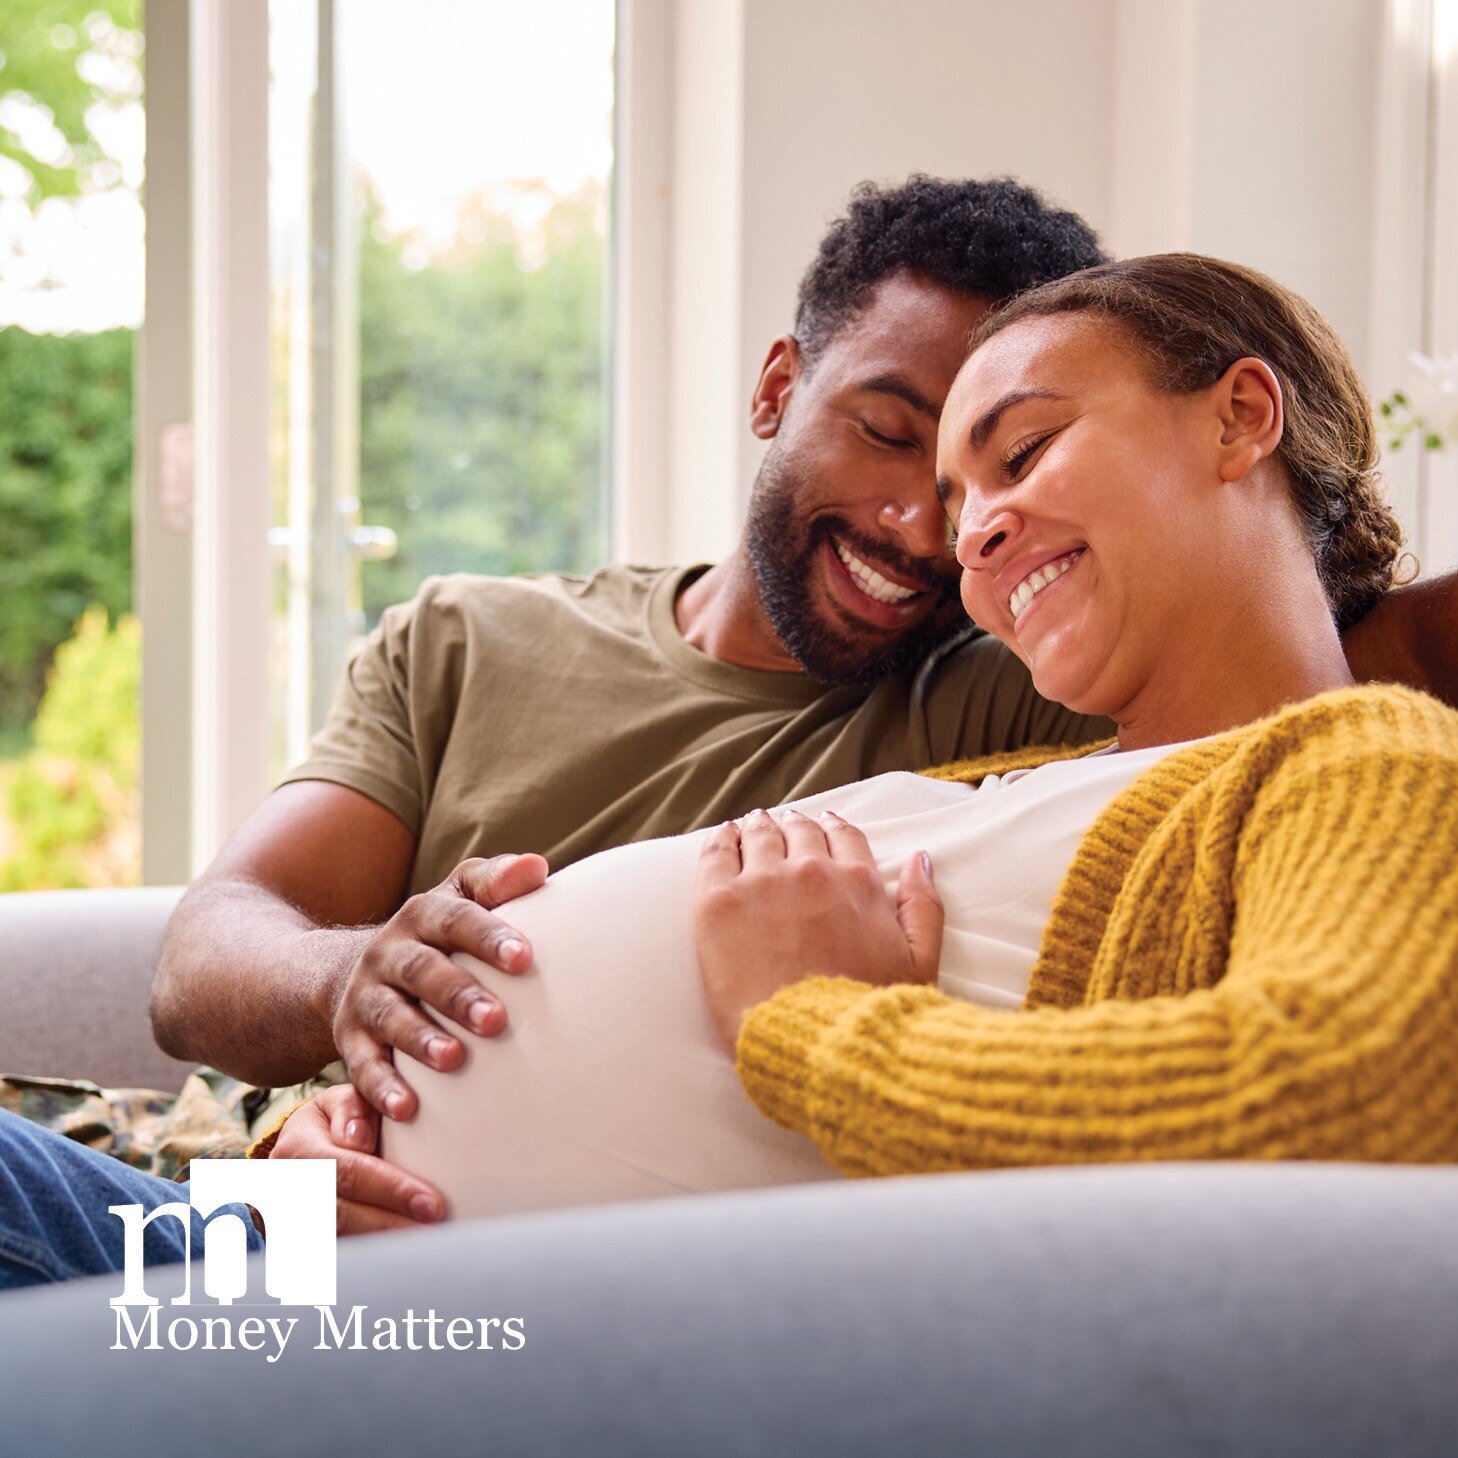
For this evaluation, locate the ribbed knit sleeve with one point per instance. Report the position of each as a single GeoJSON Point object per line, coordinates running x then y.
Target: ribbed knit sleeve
{"type": "Point", "coordinates": [1330, 1029]}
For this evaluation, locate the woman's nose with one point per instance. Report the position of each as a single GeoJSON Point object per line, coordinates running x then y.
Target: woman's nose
{"type": "Point", "coordinates": [979, 543]}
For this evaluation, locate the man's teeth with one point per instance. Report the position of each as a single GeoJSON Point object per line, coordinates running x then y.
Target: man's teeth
{"type": "Point", "coordinates": [1034, 582]}
{"type": "Point", "coordinates": [870, 581]}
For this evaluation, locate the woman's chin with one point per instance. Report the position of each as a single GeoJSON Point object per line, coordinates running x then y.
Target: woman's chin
{"type": "Point", "coordinates": [1062, 668]}
{"type": "Point", "coordinates": [1066, 677]}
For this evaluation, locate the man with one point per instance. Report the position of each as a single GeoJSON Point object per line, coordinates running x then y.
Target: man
{"type": "Point", "coordinates": [559, 716]}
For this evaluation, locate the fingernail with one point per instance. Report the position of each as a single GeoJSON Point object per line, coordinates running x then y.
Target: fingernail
{"type": "Point", "coordinates": [423, 1207]}
{"type": "Point", "coordinates": [480, 1015]}
{"type": "Point", "coordinates": [926, 865]}
{"type": "Point", "coordinates": [831, 816]}
{"type": "Point", "coordinates": [436, 1049]}
{"type": "Point", "coordinates": [354, 1132]}
{"type": "Point", "coordinates": [512, 950]}
{"type": "Point", "coordinates": [394, 1102]}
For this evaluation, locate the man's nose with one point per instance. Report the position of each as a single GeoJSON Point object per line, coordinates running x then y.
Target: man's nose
{"type": "Point", "coordinates": [921, 525]}
{"type": "Point", "coordinates": [982, 545]}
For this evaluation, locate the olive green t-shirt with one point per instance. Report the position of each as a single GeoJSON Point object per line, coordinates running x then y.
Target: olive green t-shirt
{"type": "Point", "coordinates": [567, 714]}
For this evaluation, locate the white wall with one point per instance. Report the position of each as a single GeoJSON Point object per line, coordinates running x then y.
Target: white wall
{"type": "Point", "coordinates": [1284, 163]}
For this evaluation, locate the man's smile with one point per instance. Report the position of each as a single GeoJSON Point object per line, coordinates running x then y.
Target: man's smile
{"type": "Point", "coordinates": [871, 582]}
{"type": "Point", "coordinates": [868, 593]}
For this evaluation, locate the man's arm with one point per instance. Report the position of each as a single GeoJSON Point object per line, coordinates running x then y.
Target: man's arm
{"type": "Point", "coordinates": [298, 940]}
{"type": "Point", "coordinates": [257, 950]}
{"type": "Point", "coordinates": [1410, 637]}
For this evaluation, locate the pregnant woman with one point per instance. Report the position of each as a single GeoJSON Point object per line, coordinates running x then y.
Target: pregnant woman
{"type": "Point", "coordinates": [1230, 932]}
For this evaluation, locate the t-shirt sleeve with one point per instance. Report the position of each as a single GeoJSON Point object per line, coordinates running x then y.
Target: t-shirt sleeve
{"type": "Point", "coordinates": [980, 700]}
{"type": "Point", "coordinates": [369, 742]}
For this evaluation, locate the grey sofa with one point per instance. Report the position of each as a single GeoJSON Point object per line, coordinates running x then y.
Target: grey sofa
{"type": "Point", "coordinates": [1200, 1309]}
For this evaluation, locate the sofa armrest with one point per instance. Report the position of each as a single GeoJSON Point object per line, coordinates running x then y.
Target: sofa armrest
{"type": "Point", "coordinates": [75, 971]}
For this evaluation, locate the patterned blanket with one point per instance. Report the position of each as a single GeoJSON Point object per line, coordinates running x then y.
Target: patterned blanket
{"type": "Point", "coordinates": [212, 1117]}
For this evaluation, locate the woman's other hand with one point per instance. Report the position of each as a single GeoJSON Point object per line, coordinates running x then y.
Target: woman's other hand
{"type": "Point", "coordinates": [778, 900]}
{"type": "Point", "coordinates": [370, 1193]}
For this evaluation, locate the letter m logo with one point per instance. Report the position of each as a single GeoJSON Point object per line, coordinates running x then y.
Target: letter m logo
{"type": "Point", "coordinates": [295, 1198]}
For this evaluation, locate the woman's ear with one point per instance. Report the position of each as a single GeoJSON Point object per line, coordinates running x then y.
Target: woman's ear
{"type": "Point", "coordinates": [781, 372]}
{"type": "Point", "coordinates": [1252, 417]}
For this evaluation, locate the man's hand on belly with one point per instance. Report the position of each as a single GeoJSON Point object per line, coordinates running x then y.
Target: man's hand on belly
{"type": "Point", "coordinates": [407, 968]}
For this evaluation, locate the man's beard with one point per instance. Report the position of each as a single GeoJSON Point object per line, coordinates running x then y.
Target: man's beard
{"type": "Point", "coordinates": [782, 549]}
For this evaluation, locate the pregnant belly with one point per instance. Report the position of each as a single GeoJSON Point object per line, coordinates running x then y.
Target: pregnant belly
{"type": "Point", "coordinates": [609, 1082]}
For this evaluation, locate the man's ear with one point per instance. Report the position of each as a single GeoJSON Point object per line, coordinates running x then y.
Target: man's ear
{"type": "Point", "coordinates": [1252, 417]}
{"type": "Point", "coordinates": [783, 367]}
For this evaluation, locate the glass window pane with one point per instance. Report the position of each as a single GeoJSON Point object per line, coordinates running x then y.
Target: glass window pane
{"type": "Point", "coordinates": [481, 137]}
{"type": "Point", "coordinates": [71, 147]}
{"type": "Point", "coordinates": [439, 215]}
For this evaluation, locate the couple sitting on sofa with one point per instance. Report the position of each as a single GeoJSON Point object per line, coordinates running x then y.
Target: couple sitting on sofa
{"type": "Point", "coordinates": [1229, 932]}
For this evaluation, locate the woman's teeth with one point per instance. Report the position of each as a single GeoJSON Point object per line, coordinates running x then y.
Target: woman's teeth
{"type": "Point", "coordinates": [1034, 582]}
{"type": "Point", "coordinates": [870, 581]}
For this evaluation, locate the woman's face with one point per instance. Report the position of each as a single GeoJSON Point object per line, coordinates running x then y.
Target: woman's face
{"type": "Point", "coordinates": [1090, 524]}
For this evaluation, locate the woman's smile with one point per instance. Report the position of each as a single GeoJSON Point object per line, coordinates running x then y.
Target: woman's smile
{"type": "Point", "coordinates": [1031, 584]}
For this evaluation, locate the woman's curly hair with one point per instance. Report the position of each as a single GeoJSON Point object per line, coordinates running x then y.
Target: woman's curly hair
{"type": "Point", "coordinates": [1191, 318]}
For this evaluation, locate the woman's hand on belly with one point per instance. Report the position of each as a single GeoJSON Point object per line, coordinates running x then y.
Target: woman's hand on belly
{"type": "Point", "coordinates": [776, 902]}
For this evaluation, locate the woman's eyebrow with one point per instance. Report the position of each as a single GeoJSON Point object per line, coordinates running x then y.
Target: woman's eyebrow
{"type": "Point", "coordinates": [986, 423]}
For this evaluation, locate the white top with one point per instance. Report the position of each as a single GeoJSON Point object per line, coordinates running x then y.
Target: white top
{"type": "Point", "coordinates": [610, 1082]}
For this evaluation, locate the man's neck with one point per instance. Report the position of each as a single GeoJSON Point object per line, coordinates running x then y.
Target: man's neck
{"type": "Point", "coordinates": [720, 614]}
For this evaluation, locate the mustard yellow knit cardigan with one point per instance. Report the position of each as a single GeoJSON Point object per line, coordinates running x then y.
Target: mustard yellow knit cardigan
{"type": "Point", "coordinates": [1254, 954]}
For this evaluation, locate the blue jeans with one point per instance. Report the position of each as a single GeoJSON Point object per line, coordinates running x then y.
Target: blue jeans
{"type": "Point", "coordinates": [54, 1223]}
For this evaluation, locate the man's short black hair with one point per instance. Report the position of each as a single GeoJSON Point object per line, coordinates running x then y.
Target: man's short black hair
{"type": "Point", "coordinates": [994, 238]}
